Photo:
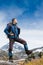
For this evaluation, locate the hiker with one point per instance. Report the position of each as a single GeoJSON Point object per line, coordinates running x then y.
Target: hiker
{"type": "Point", "coordinates": [12, 31]}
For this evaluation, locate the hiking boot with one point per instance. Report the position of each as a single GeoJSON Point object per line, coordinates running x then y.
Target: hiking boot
{"type": "Point", "coordinates": [28, 52]}
{"type": "Point", "coordinates": [10, 59]}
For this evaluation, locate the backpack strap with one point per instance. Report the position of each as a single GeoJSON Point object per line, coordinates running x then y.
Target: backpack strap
{"type": "Point", "coordinates": [9, 26]}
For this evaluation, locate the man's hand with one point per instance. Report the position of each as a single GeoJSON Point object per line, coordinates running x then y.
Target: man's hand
{"type": "Point", "coordinates": [12, 34]}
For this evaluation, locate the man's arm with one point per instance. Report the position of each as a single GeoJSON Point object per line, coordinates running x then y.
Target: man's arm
{"type": "Point", "coordinates": [18, 30]}
{"type": "Point", "coordinates": [7, 30]}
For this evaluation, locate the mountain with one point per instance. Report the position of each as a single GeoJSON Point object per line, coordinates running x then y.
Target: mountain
{"type": "Point", "coordinates": [37, 48]}
{"type": "Point", "coordinates": [18, 52]}
{"type": "Point", "coordinates": [16, 47]}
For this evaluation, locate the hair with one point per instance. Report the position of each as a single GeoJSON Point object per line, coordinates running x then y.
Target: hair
{"type": "Point", "coordinates": [13, 19]}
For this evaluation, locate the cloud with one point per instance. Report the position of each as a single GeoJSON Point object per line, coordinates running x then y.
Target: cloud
{"type": "Point", "coordinates": [29, 7]}
{"type": "Point", "coordinates": [34, 38]}
{"type": "Point", "coordinates": [3, 20]}
{"type": "Point", "coordinates": [14, 12]}
{"type": "Point", "coordinates": [39, 12]}
{"type": "Point", "coordinates": [2, 16]}
{"type": "Point", "coordinates": [36, 24]}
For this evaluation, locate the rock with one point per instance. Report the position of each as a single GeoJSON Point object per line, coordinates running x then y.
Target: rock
{"type": "Point", "coordinates": [7, 63]}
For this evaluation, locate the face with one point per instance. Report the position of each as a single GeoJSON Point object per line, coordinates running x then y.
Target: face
{"type": "Point", "coordinates": [15, 21]}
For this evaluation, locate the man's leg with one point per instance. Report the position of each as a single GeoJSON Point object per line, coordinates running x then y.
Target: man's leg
{"type": "Point", "coordinates": [10, 49]}
{"type": "Point", "coordinates": [25, 45]}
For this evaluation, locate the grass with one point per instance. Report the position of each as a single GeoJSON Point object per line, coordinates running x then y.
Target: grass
{"type": "Point", "coordinates": [33, 62]}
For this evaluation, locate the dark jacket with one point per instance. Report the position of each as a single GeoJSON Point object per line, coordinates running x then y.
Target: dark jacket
{"type": "Point", "coordinates": [12, 28]}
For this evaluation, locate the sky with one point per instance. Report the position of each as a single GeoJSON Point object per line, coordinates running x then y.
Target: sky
{"type": "Point", "coordinates": [29, 14]}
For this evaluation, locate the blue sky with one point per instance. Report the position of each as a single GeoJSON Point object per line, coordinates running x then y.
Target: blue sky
{"type": "Point", "coordinates": [29, 14]}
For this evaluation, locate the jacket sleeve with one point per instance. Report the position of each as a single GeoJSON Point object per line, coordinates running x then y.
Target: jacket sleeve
{"type": "Point", "coordinates": [7, 30]}
{"type": "Point", "coordinates": [18, 30]}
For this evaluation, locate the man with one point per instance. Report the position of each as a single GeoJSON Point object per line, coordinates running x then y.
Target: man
{"type": "Point", "coordinates": [12, 32]}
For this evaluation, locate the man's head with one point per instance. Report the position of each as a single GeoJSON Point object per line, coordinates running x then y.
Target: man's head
{"type": "Point", "coordinates": [14, 21]}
